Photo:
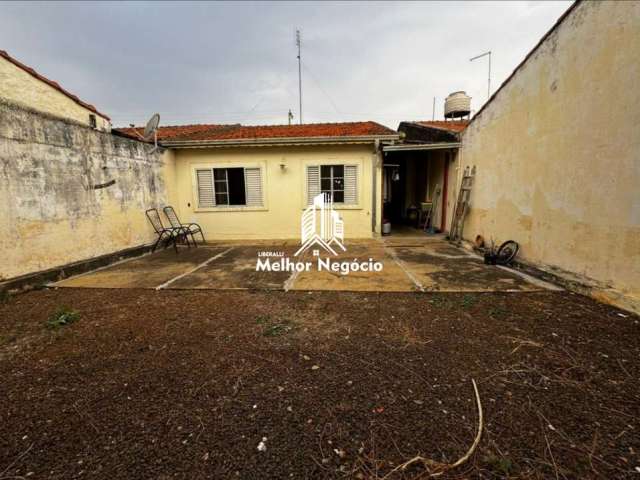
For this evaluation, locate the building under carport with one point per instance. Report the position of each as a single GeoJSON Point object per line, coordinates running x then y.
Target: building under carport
{"type": "Point", "coordinates": [419, 174]}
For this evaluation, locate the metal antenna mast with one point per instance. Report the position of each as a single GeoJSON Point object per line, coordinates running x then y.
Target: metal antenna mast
{"type": "Point", "coordinates": [489, 79]}
{"type": "Point", "coordinates": [298, 42]}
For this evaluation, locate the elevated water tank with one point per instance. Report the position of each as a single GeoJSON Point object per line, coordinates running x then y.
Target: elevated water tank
{"type": "Point", "coordinates": [457, 104]}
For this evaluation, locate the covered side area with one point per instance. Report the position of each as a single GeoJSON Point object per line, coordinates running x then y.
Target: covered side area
{"type": "Point", "coordinates": [418, 178]}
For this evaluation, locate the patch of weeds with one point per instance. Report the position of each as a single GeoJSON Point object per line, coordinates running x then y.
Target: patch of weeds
{"type": "Point", "coordinates": [498, 312]}
{"type": "Point", "coordinates": [8, 339]}
{"type": "Point", "coordinates": [468, 300]}
{"type": "Point", "coordinates": [61, 317]}
{"type": "Point", "coordinates": [438, 301]}
{"type": "Point", "coordinates": [5, 296]}
{"type": "Point", "coordinates": [500, 465]}
{"type": "Point", "coordinates": [273, 328]}
{"type": "Point", "coordinates": [277, 329]}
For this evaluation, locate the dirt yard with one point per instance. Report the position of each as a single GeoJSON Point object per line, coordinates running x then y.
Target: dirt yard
{"type": "Point", "coordinates": [187, 384]}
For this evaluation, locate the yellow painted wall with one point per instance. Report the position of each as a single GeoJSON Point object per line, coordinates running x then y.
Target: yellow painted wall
{"type": "Point", "coordinates": [558, 153]}
{"type": "Point", "coordinates": [435, 180]}
{"type": "Point", "coordinates": [453, 180]}
{"type": "Point", "coordinates": [20, 87]}
{"type": "Point", "coordinates": [284, 190]}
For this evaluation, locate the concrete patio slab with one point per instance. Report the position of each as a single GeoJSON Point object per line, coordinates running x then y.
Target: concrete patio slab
{"type": "Point", "coordinates": [148, 271]}
{"type": "Point", "coordinates": [409, 264]}
{"type": "Point", "coordinates": [445, 268]}
{"type": "Point", "coordinates": [236, 269]}
{"type": "Point", "coordinates": [391, 279]}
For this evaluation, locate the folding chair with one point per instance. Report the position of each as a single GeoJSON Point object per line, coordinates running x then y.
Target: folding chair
{"type": "Point", "coordinates": [175, 222]}
{"type": "Point", "coordinates": [168, 235]}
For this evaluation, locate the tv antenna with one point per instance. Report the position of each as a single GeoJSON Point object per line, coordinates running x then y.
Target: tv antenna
{"type": "Point", "coordinates": [485, 54]}
{"type": "Point", "coordinates": [151, 131]}
{"type": "Point", "coordinates": [290, 116]}
{"type": "Point", "coordinates": [298, 44]}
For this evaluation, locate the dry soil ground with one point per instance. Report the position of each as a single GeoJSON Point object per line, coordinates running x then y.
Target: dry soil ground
{"type": "Point", "coordinates": [186, 384]}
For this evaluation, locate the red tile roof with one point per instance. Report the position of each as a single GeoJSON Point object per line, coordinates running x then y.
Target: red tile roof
{"type": "Point", "coordinates": [455, 126]}
{"type": "Point", "coordinates": [51, 83]}
{"type": "Point", "coordinates": [176, 132]}
{"type": "Point", "coordinates": [240, 132]}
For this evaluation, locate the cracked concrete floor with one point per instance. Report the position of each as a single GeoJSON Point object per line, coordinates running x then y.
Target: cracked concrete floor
{"type": "Point", "coordinates": [409, 264]}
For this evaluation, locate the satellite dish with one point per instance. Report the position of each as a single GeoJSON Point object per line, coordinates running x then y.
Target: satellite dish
{"type": "Point", "coordinates": [151, 131]}
{"type": "Point", "coordinates": [152, 126]}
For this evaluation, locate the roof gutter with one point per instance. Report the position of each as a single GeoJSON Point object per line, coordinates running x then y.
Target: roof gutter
{"type": "Point", "coordinates": [265, 142]}
{"type": "Point", "coordinates": [423, 146]}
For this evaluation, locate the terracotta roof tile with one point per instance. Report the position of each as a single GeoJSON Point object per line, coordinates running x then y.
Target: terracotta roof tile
{"type": "Point", "coordinates": [51, 83]}
{"type": "Point", "coordinates": [455, 126]}
{"type": "Point", "coordinates": [241, 132]}
{"type": "Point", "coordinates": [175, 132]}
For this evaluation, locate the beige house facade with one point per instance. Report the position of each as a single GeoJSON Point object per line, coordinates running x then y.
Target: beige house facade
{"type": "Point", "coordinates": [251, 183]}
{"type": "Point", "coordinates": [279, 181]}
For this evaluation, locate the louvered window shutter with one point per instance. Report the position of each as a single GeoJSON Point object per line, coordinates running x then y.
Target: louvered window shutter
{"type": "Point", "coordinates": [313, 182]}
{"type": "Point", "coordinates": [206, 192]}
{"type": "Point", "coordinates": [350, 184]}
{"type": "Point", "coordinates": [253, 185]}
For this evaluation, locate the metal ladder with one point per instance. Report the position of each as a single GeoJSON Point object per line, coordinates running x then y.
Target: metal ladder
{"type": "Point", "coordinates": [462, 204]}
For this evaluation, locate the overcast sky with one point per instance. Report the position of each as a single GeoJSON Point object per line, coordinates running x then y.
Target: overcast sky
{"type": "Point", "coordinates": [236, 62]}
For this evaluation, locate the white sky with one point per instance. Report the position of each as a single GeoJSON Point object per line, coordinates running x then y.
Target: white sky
{"type": "Point", "coordinates": [236, 62]}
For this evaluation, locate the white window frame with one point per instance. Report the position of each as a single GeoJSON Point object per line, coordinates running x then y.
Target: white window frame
{"type": "Point", "coordinates": [228, 208]}
{"type": "Point", "coordinates": [226, 184]}
{"type": "Point", "coordinates": [331, 190]}
{"type": "Point", "coordinates": [358, 164]}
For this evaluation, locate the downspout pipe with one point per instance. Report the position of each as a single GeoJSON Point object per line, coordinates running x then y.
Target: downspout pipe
{"type": "Point", "coordinates": [374, 175]}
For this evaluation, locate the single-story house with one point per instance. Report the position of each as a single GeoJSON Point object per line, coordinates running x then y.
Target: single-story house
{"type": "Point", "coordinates": [253, 182]}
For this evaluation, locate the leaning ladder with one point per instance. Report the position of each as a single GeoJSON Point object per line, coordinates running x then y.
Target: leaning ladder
{"type": "Point", "coordinates": [462, 204]}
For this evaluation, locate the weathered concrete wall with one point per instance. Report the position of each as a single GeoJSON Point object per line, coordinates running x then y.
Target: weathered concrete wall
{"type": "Point", "coordinates": [558, 153]}
{"type": "Point", "coordinates": [18, 86]}
{"type": "Point", "coordinates": [50, 212]}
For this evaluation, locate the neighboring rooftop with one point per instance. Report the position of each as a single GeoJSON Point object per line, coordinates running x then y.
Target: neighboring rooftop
{"type": "Point", "coordinates": [432, 132]}
{"type": "Point", "coordinates": [455, 126]}
{"type": "Point", "coordinates": [51, 83]}
{"type": "Point", "coordinates": [244, 134]}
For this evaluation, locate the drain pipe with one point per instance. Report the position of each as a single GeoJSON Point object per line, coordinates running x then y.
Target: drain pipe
{"type": "Point", "coordinates": [374, 187]}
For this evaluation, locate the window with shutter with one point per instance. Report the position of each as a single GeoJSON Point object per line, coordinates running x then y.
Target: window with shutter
{"type": "Point", "coordinates": [253, 183]}
{"type": "Point", "coordinates": [313, 182]}
{"type": "Point", "coordinates": [206, 192]}
{"type": "Point", "coordinates": [238, 186]}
